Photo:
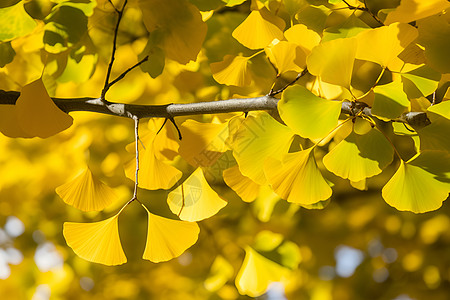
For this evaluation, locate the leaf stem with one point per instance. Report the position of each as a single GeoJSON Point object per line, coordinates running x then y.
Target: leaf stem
{"type": "Point", "coordinates": [373, 86]}
{"type": "Point", "coordinates": [299, 75]}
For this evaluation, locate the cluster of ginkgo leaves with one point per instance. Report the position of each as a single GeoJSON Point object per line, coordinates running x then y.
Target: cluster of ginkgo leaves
{"type": "Point", "coordinates": [404, 46]}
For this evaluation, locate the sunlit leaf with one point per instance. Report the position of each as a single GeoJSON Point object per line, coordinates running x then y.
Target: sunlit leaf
{"type": "Point", "coordinates": [351, 27]}
{"type": "Point", "coordinates": [37, 113]}
{"type": "Point", "coordinates": [358, 157]}
{"type": "Point", "coordinates": [381, 45]}
{"type": "Point", "coordinates": [256, 273]}
{"type": "Point", "coordinates": [233, 70]}
{"type": "Point", "coordinates": [333, 61]}
{"type": "Point", "coordinates": [15, 22]}
{"type": "Point", "coordinates": [390, 100]}
{"type": "Point", "coordinates": [286, 56]}
{"type": "Point", "coordinates": [259, 29]}
{"type": "Point", "coordinates": [297, 178]}
{"type": "Point", "coordinates": [442, 109]}
{"type": "Point", "coordinates": [258, 137]}
{"type": "Point", "coordinates": [420, 82]}
{"type": "Point", "coordinates": [221, 271]}
{"type": "Point", "coordinates": [179, 24]}
{"type": "Point", "coordinates": [300, 109]}
{"type": "Point", "coordinates": [265, 203]}
{"type": "Point", "coordinates": [434, 33]}
{"type": "Point", "coordinates": [202, 143]}
{"type": "Point", "coordinates": [410, 10]}
{"type": "Point", "coordinates": [167, 238]}
{"type": "Point", "coordinates": [194, 200]}
{"type": "Point", "coordinates": [420, 184]}
{"type": "Point", "coordinates": [314, 16]}
{"type": "Point", "coordinates": [242, 185]}
{"type": "Point", "coordinates": [97, 242]}
{"type": "Point", "coordinates": [302, 36]}
{"type": "Point", "coordinates": [86, 192]}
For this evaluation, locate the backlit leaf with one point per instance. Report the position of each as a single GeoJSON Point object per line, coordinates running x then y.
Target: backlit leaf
{"type": "Point", "coordinates": [258, 137]}
{"type": "Point", "coordinates": [420, 184]}
{"type": "Point", "coordinates": [302, 36]}
{"type": "Point", "coordinates": [97, 242]}
{"type": "Point", "coordinates": [351, 27]}
{"type": "Point", "coordinates": [86, 192]}
{"type": "Point", "coordinates": [358, 157]}
{"type": "Point", "coordinates": [286, 56]}
{"type": "Point", "coordinates": [390, 100]}
{"type": "Point", "coordinates": [297, 178]}
{"type": "Point", "coordinates": [37, 113]}
{"type": "Point", "coordinates": [15, 22]}
{"type": "Point", "coordinates": [242, 185]}
{"type": "Point", "coordinates": [442, 109]}
{"type": "Point", "coordinates": [194, 200]}
{"type": "Point", "coordinates": [435, 136]}
{"type": "Point", "coordinates": [333, 61]}
{"type": "Point", "coordinates": [420, 82]}
{"type": "Point", "coordinates": [381, 45]}
{"type": "Point", "coordinates": [233, 70]}
{"type": "Point", "coordinates": [167, 238]}
{"type": "Point", "coordinates": [256, 273]}
{"type": "Point", "coordinates": [410, 10]}
{"type": "Point", "coordinates": [300, 109]}
{"type": "Point", "coordinates": [221, 271]}
{"type": "Point", "coordinates": [259, 29]}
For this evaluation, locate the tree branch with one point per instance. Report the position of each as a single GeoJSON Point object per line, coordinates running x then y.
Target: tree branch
{"type": "Point", "coordinates": [169, 111]}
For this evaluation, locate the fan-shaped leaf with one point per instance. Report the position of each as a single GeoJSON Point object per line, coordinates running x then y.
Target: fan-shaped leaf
{"type": "Point", "coordinates": [286, 56]}
{"type": "Point", "coordinates": [390, 100]}
{"type": "Point", "coordinates": [411, 10]}
{"type": "Point", "coordinates": [221, 271]}
{"type": "Point", "coordinates": [15, 22]}
{"type": "Point", "coordinates": [302, 36]}
{"type": "Point", "coordinates": [243, 186]}
{"type": "Point", "coordinates": [97, 242]}
{"type": "Point", "coordinates": [194, 200]}
{"type": "Point", "coordinates": [233, 70]}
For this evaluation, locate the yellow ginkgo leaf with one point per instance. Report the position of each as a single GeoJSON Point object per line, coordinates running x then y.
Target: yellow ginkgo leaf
{"type": "Point", "coordinates": [258, 137]}
{"type": "Point", "coordinates": [390, 100]}
{"type": "Point", "coordinates": [37, 113]}
{"type": "Point", "coordinates": [194, 200]}
{"type": "Point", "coordinates": [242, 185]}
{"type": "Point", "coordinates": [167, 238]}
{"type": "Point", "coordinates": [233, 70]}
{"type": "Point", "coordinates": [286, 56]}
{"type": "Point", "coordinates": [265, 203]}
{"type": "Point", "coordinates": [300, 109]}
{"type": "Point", "coordinates": [421, 184]}
{"type": "Point", "coordinates": [86, 192]}
{"type": "Point", "coordinates": [411, 10]}
{"type": "Point", "coordinates": [202, 143]}
{"type": "Point", "coordinates": [302, 36]}
{"type": "Point", "coordinates": [97, 242]}
{"type": "Point", "coordinates": [297, 178]}
{"type": "Point", "coordinates": [333, 61]}
{"type": "Point", "coordinates": [259, 29]}
{"type": "Point", "coordinates": [381, 45]}
{"type": "Point", "coordinates": [221, 271]}
{"type": "Point", "coordinates": [358, 157]}
{"type": "Point", "coordinates": [257, 272]}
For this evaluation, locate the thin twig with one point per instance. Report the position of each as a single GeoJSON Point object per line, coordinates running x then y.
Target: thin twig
{"type": "Point", "coordinates": [136, 137]}
{"type": "Point", "coordinates": [121, 76]}
{"type": "Point", "coordinates": [111, 61]}
{"type": "Point", "coordinates": [299, 75]}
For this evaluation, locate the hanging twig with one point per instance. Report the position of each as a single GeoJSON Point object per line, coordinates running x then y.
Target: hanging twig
{"type": "Point", "coordinates": [136, 138]}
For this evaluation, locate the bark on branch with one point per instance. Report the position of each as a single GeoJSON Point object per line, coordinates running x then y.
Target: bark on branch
{"type": "Point", "coordinates": [415, 119]}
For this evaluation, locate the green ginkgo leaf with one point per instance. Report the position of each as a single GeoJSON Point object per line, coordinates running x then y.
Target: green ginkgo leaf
{"type": "Point", "coordinates": [441, 109]}
{"type": "Point", "coordinates": [297, 178]}
{"type": "Point", "coordinates": [360, 156]}
{"type": "Point", "coordinates": [436, 135]}
{"type": "Point", "coordinates": [15, 22]}
{"type": "Point", "coordinates": [420, 82]}
{"type": "Point", "coordinates": [300, 109]}
{"type": "Point", "coordinates": [390, 100]}
{"type": "Point", "coordinates": [421, 184]}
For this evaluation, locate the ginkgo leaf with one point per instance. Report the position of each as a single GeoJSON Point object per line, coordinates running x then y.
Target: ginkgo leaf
{"type": "Point", "coordinates": [349, 28]}
{"type": "Point", "coordinates": [178, 23]}
{"type": "Point", "coordinates": [259, 29]}
{"type": "Point", "coordinates": [286, 56]}
{"type": "Point", "coordinates": [221, 271]}
{"type": "Point", "coordinates": [167, 238]}
{"type": "Point", "coordinates": [243, 186]}
{"type": "Point", "coordinates": [257, 272]}
{"type": "Point", "coordinates": [433, 36]}
{"type": "Point", "coordinates": [333, 61]}
{"type": "Point", "coordinates": [265, 203]}
{"type": "Point", "coordinates": [420, 184]}
{"type": "Point", "coordinates": [194, 200]}
{"type": "Point", "coordinates": [300, 109]}
{"type": "Point", "coordinates": [358, 157]}
{"type": "Point", "coordinates": [9, 123]}
{"type": "Point", "coordinates": [7, 54]}
{"type": "Point", "coordinates": [381, 45]}
{"type": "Point", "coordinates": [297, 178]}
{"type": "Point", "coordinates": [86, 192]}
{"type": "Point", "coordinates": [300, 35]}
{"type": "Point", "coordinates": [390, 100]}
{"type": "Point", "coordinates": [233, 70]}
{"type": "Point", "coordinates": [420, 82]}
{"type": "Point", "coordinates": [411, 10]}
{"type": "Point", "coordinates": [435, 136]}
{"type": "Point", "coordinates": [202, 143]}
{"type": "Point", "coordinates": [258, 137]}
{"type": "Point", "coordinates": [15, 22]}
{"type": "Point", "coordinates": [38, 115]}
{"type": "Point", "coordinates": [97, 242]}
{"type": "Point", "coordinates": [442, 109]}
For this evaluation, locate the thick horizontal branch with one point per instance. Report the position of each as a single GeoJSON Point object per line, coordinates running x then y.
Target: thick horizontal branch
{"type": "Point", "coordinates": [415, 119]}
